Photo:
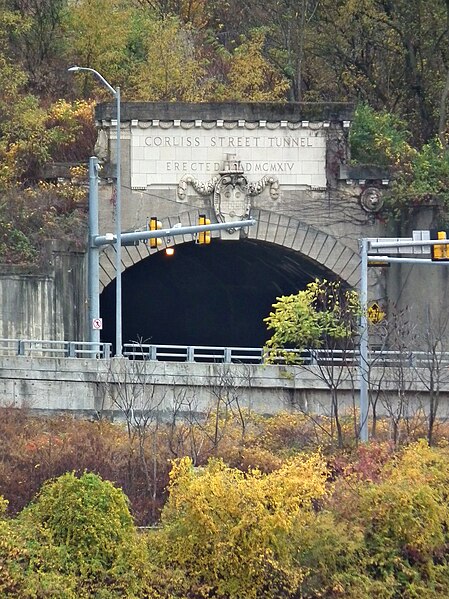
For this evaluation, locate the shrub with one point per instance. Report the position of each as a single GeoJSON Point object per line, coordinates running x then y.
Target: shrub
{"type": "Point", "coordinates": [87, 533]}
{"type": "Point", "coordinates": [228, 534]}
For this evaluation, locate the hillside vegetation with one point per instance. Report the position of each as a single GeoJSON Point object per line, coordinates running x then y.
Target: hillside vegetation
{"type": "Point", "coordinates": [390, 59]}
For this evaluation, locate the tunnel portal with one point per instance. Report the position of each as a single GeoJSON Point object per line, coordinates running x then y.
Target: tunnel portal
{"type": "Point", "coordinates": [216, 294]}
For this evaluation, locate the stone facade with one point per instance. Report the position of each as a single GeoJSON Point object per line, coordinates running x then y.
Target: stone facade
{"type": "Point", "coordinates": [294, 159]}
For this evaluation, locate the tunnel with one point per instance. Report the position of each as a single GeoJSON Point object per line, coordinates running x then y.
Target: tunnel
{"type": "Point", "coordinates": [215, 294]}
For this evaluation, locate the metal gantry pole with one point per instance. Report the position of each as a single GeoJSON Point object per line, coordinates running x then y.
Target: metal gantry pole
{"type": "Point", "coordinates": [363, 364]}
{"type": "Point", "coordinates": [118, 234]}
{"type": "Point", "coordinates": [93, 268]}
{"type": "Point", "coordinates": [376, 244]}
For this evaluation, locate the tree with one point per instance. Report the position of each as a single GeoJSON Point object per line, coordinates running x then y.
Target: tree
{"type": "Point", "coordinates": [323, 310]}
{"type": "Point", "coordinates": [289, 30]}
{"type": "Point", "coordinates": [130, 388]}
{"type": "Point", "coordinates": [100, 43]}
{"type": "Point", "coordinates": [251, 76]}
{"type": "Point", "coordinates": [404, 520]}
{"type": "Point", "coordinates": [40, 49]}
{"type": "Point", "coordinates": [324, 315]}
{"type": "Point", "coordinates": [431, 366]}
{"type": "Point", "coordinates": [173, 68]}
{"type": "Point", "coordinates": [197, 13]}
{"type": "Point", "coordinates": [400, 335]}
{"type": "Point", "coordinates": [420, 175]}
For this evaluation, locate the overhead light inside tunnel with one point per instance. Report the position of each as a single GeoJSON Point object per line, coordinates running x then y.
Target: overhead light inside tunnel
{"type": "Point", "coordinates": [169, 251]}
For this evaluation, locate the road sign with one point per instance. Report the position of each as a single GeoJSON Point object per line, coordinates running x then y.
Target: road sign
{"type": "Point", "coordinates": [97, 324]}
{"type": "Point", "coordinates": [375, 314]}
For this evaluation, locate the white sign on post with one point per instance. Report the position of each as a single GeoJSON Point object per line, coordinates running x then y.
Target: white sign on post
{"type": "Point", "coordinates": [97, 324]}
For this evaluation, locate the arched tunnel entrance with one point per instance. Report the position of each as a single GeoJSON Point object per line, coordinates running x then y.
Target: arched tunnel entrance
{"type": "Point", "coordinates": [217, 294]}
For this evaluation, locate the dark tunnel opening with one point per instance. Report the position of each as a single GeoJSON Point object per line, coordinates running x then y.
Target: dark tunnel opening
{"type": "Point", "coordinates": [206, 295]}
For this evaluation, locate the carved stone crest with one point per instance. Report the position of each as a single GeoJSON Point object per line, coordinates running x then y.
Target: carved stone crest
{"type": "Point", "coordinates": [231, 192]}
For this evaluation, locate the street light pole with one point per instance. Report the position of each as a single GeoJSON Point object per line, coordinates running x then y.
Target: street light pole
{"type": "Point", "coordinates": [118, 233]}
{"type": "Point", "coordinates": [118, 211]}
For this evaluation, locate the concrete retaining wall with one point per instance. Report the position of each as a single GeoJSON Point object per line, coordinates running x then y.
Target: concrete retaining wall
{"type": "Point", "coordinates": [45, 302]}
{"type": "Point", "coordinates": [91, 387]}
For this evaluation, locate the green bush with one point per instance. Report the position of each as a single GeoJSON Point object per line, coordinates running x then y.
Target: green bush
{"type": "Point", "coordinates": [87, 534]}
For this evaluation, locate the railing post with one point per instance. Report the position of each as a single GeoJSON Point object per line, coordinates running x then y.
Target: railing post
{"type": "Point", "coordinates": [190, 354]}
{"type": "Point", "coordinates": [227, 355]}
{"type": "Point", "coordinates": [71, 350]}
{"type": "Point", "coordinates": [21, 348]}
{"type": "Point", "coordinates": [106, 350]}
{"type": "Point", "coordinates": [152, 354]}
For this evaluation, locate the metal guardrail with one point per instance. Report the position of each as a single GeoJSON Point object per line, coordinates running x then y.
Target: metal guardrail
{"type": "Point", "coordinates": [195, 353]}
{"type": "Point", "coordinates": [54, 349]}
{"type": "Point", "coordinates": [255, 355]}
{"type": "Point", "coordinates": [215, 354]}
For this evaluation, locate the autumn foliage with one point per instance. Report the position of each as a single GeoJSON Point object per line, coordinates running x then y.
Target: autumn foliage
{"type": "Point", "coordinates": [272, 516]}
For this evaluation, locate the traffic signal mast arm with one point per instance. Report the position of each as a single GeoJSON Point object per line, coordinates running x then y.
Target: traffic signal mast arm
{"type": "Point", "coordinates": [438, 257]}
{"type": "Point", "coordinates": [405, 243]}
{"type": "Point", "coordinates": [110, 239]}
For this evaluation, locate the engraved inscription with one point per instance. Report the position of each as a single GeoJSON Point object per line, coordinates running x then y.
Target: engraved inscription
{"type": "Point", "coordinates": [162, 156]}
{"type": "Point", "coordinates": [178, 141]}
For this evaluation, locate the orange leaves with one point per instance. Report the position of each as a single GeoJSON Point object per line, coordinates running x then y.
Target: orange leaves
{"type": "Point", "coordinates": [43, 442]}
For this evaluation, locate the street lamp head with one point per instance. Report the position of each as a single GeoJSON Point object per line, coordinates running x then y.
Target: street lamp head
{"type": "Point", "coordinates": [114, 92]}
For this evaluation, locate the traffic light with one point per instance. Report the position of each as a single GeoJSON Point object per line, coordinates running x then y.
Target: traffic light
{"type": "Point", "coordinates": [203, 237]}
{"type": "Point", "coordinates": [154, 225]}
{"type": "Point", "coordinates": [439, 252]}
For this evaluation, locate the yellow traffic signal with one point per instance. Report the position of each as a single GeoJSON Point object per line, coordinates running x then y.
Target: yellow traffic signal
{"type": "Point", "coordinates": [440, 252]}
{"type": "Point", "coordinates": [154, 225]}
{"type": "Point", "coordinates": [203, 237]}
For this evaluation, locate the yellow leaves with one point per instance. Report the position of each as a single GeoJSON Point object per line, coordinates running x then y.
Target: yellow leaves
{"type": "Point", "coordinates": [3, 505]}
{"type": "Point", "coordinates": [233, 527]}
{"type": "Point", "coordinates": [323, 310]}
{"type": "Point", "coordinates": [251, 76]}
{"type": "Point", "coordinates": [180, 470]}
{"type": "Point", "coordinates": [407, 511]}
{"type": "Point", "coordinates": [173, 69]}
{"type": "Point", "coordinates": [98, 41]}
{"type": "Point", "coordinates": [299, 481]}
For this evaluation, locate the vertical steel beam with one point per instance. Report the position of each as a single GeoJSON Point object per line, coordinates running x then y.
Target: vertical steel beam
{"type": "Point", "coordinates": [363, 333]}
